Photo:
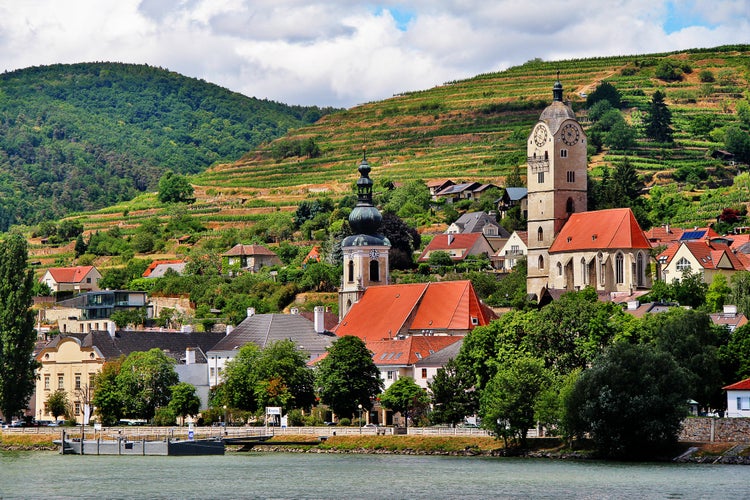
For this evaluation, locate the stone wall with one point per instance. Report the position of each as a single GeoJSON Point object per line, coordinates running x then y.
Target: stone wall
{"type": "Point", "coordinates": [716, 430]}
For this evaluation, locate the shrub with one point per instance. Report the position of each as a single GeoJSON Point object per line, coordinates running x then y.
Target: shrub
{"type": "Point", "coordinates": [345, 422]}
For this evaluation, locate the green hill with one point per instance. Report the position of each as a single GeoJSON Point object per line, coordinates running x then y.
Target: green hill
{"type": "Point", "coordinates": [85, 136]}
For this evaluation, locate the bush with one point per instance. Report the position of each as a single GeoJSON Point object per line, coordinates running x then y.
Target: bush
{"type": "Point", "coordinates": [345, 422]}
{"type": "Point", "coordinates": [295, 418]}
{"type": "Point", "coordinates": [706, 76]}
{"type": "Point", "coordinates": [164, 417]}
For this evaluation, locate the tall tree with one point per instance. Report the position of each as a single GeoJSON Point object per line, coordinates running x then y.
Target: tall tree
{"type": "Point", "coordinates": [404, 395]}
{"type": "Point", "coordinates": [453, 394]}
{"type": "Point", "coordinates": [348, 377]}
{"type": "Point", "coordinates": [282, 377]}
{"type": "Point", "coordinates": [58, 403]}
{"type": "Point", "coordinates": [184, 402]}
{"type": "Point", "coordinates": [175, 188]}
{"type": "Point", "coordinates": [17, 336]}
{"type": "Point", "coordinates": [107, 399]}
{"type": "Point", "coordinates": [659, 119]}
{"type": "Point", "coordinates": [239, 379]}
{"type": "Point", "coordinates": [144, 381]}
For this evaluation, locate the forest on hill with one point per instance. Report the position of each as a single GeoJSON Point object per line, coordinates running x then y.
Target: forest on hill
{"type": "Point", "coordinates": [79, 137]}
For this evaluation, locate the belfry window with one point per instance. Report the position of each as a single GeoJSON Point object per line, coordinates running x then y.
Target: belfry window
{"type": "Point", "coordinates": [350, 271]}
{"type": "Point", "coordinates": [374, 270]}
{"type": "Point", "coordinates": [540, 234]}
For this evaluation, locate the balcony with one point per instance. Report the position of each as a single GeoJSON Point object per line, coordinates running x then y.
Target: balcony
{"type": "Point", "coordinates": [538, 164]}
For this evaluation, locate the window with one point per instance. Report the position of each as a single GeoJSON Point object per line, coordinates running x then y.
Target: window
{"type": "Point", "coordinates": [91, 380]}
{"type": "Point", "coordinates": [584, 272]}
{"type": "Point", "coordinates": [569, 206]}
{"type": "Point", "coordinates": [564, 154]}
{"type": "Point", "coordinates": [374, 270]}
{"type": "Point", "coordinates": [78, 407]}
{"type": "Point", "coordinates": [350, 276]}
{"type": "Point", "coordinates": [541, 262]}
{"type": "Point", "coordinates": [683, 265]}
{"type": "Point", "coordinates": [78, 380]}
{"type": "Point", "coordinates": [571, 175]}
{"type": "Point", "coordinates": [619, 269]}
{"type": "Point", "coordinates": [559, 269]}
{"type": "Point", "coordinates": [640, 269]}
{"type": "Point", "coordinates": [46, 382]}
{"type": "Point", "coordinates": [540, 234]}
{"type": "Point", "coordinates": [540, 177]}
{"type": "Point", "coordinates": [60, 382]}
{"type": "Point", "coordinates": [424, 372]}
{"type": "Point", "coordinates": [211, 371]}
{"type": "Point", "coordinates": [389, 375]}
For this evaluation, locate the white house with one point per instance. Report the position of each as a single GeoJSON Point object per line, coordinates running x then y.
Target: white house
{"type": "Point", "coordinates": [738, 398]}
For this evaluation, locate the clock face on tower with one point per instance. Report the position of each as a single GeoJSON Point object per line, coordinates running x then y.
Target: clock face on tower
{"type": "Point", "coordinates": [374, 254]}
{"type": "Point", "coordinates": [540, 135]}
{"type": "Point", "coordinates": [570, 134]}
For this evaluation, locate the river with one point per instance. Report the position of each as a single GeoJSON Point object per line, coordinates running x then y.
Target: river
{"type": "Point", "coordinates": [287, 475]}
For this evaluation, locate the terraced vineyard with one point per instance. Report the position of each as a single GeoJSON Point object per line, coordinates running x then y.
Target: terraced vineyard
{"type": "Point", "coordinates": [474, 129]}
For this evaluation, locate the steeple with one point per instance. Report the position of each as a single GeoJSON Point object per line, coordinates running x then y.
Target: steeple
{"type": "Point", "coordinates": [365, 218]}
{"type": "Point", "coordinates": [557, 89]}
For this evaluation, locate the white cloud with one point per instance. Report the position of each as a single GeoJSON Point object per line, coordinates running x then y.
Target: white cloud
{"type": "Point", "coordinates": [342, 52]}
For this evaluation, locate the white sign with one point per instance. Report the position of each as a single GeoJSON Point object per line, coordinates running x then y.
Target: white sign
{"type": "Point", "coordinates": [273, 410]}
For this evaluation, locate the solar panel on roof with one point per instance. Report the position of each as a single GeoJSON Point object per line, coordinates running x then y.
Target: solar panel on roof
{"type": "Point", "coordinates": [692, 235]}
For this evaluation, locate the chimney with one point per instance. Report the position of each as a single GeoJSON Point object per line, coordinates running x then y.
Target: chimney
{"type": "Point", "coordinates": [450, 239]}
{"type": "Point", "coordinates": [666, 226]}
{"type": "Point", "coordinates": [189, 356]}
{"type": "Point", "coordinates": [250, 312]}
{"type": "Point", "coordinates": [294, 310]}
{"type": "Point", "coordinates": [230, 329]}
{"type": "Point", "coordinates": [111, 328]}
{"type": "Point", "coordinates": [633, 305]}
{"type": "Point", "coordinates": [319, 319]}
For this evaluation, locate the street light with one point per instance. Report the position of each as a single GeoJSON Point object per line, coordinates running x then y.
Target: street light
{"type": "Point", "coordinates": [225, 420]}
{"type": "Point", "coordinates": [359, 406]}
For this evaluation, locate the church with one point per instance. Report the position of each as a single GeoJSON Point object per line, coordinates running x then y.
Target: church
{"type": "Point", "coordinates": [570, 248]}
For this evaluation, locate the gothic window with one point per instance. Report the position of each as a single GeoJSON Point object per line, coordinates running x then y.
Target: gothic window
{"type": "Point", "coordinates": [374, 270]}
{"type": "Point", "coordinates": [584, 273]}
{"type": "Point", "coordinates": [540, 234]}
{"type": "Point", "coordinates": [640, 268]}
{"type": "Point", "coordinates": [570, 206]}
{"type": "Point", "coordinates": [683, 265]}
{"type": "Point", "coordinates": [559, 269]}
{"type": "Point", "coordinates": [350, 273]}
{"type": "Point", "coordinates": [571, 175]}
{"type": "Point", "coordinates": [602, 268]}
{"type": "Point", "coordinates": [541, 262]}
{"type": "Point", "coordinates": [619, 268]}
{"type": "Point", "coordinates": [564, 154]}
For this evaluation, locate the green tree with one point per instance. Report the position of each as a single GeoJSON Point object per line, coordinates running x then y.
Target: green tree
{"type": "Point", "coordinates": [440, 258]}
{"type": "Point", "coordinates": [605, 91]}
{"type": "Point", "coordinates": [549, 409]}
{"type": "Point", "coordinates": [403, 395]}
{"type": "Point", "coordinates": [184, 402]}
{"type": "Point", "coordinates": [737, 141]}
{"type": "Point", "coordinates": [239, 379]}
{"type": "Point", "coordinates": [659, 119]}
{"type": "Point", "coordinates": [175, 188]}
{"type": "Point", "coordinates": [282, 377]}
{"type": "Point", "coordinates": [507, 403]}
{"type": "Point", "coordinates": [453, 394]}
{"type": "Point", "coordinates": [620, 136]}
{"type": "Point", "coordinates": [740, 294]}
{"type": "Point", "coordinates": [631, 401]}
{"type": "Point", "coordinates": [107, 398]}
{"type": "Point", "coordinates": [144, 382]}
{"type": "Point", "coordinates": [348, 377]}
{"type": "Point", "coordinates": [717, 293]}
{"type": "Point", "coordinates": [514, 178]}
{"type": "Point", "coordinates": [17, 336]}
{"type": "Point", "coordinates": [57, 403]}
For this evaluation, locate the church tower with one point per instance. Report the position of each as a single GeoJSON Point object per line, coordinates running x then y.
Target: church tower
{"type": "Point", "coordinates": [557, 184]}
{"type": "Point", "coordinates": [365, 252]}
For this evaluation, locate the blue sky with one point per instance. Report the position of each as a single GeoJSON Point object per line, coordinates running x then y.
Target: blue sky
{"type": "Point", "coordinates": [346, 52]}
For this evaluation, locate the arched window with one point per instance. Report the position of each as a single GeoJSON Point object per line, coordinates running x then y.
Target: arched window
{"type": "Point", "coordinates": [602, 268]}
{"type": "Point", "coordinates": [569, 206]}
{"type": "Point", "coordinates": [584, 272]}
{"type": "Point", "coordinates": [559, 269]}
{"type": "Point", "coordinates": [619, 268]}
{"type": "Point", "coordinates": [350, 273]}
{"type": "Point", "coordinates": [374, 270]}
{"type": "Point", "coordinates": [683, 265]}
{"type": "Point", "coordinates": [640, 268]}
{"type": "Point", "coordinates": [540, 234]}
{"type": "Point", "coordinates": [541, 262]}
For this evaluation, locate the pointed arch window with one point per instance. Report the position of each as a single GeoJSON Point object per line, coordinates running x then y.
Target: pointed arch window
{"type": "Point", "coordinates": [541, 262]}
{"type": "Point", "coordinates": [640, 269]}
{"type": "Point", "coordinates": [570, 206]}
{"type": "Point", "coordinates": [683, 265]}
{"type": "Point", "coordinates": [540, 234]}
{"type": "Point", "coordinates": [559, 269]}
{"type": "Point", "coordinates": [350, 271]}
{"type": "Point", "coordinates": [619, 268]}
{"type": "Point", "coordinates": [374, 270]}
{"type": "Point", "coordinates": [584, 272]}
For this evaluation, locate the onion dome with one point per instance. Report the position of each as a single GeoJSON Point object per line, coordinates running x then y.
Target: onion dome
{"type": "Point", "coordinates": [365, 218]}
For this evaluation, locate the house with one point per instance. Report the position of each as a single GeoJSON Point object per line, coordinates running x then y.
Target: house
{"type": "Point", "coordinates": [458, 246]}
{"type": "Point", "coordinates": [71, 361]}
{"type": "Point", "coordinates": [639, 310]}
{"type": "Point", "coordinates": [512, 197]}
{"type": "Point", "coordinates": [663, 235]}
{"type": "Point", "coordinates": [436, 186]}
{"type": "Point", "coordinates": [91, 311]}
{"type": "Point", "coordinates": [442, 308]}
{"type": "Point", "coordinates": [477, 222]}
{"type": "Point", "coordinates": [314, 255]}
{"type": "Point", "coordinates": [514, 249]}
{"type": "Point", "coordinates": [605, 249]}
{"type": "Point", "coordinates": [71, 279]}
{"type": "Point", "coordinates": [158, 268]}
{"type": "Point", "coordinates": [707, 257]}
{"type": "Point", "coordinates": [250, 257]}
{"type": "Point", "coordinates": [457, 192]}
{"type": "Point", "coordinates": [738, 399]}
{"type": "Point", "coordinates": [729, 318]}
{"type": "Point", "coordinates": [265, 329]}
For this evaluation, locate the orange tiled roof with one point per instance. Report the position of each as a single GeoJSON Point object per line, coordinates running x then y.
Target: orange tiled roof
{"type": "Point", "coordinates": [663, 235]}
{"type": "Point", "coordinates": [599, 230]}
{"type": "Point", "coordinates": [448, 242]}
{"type": "Point", "coordinates": [387, 311]}
{"type": "Point", "coordinates": [408, 351]}
{"type": "Point", "coordinates": [69, 274]}
{"type": "Point", "coordinates": [707, 253]}
{"type": "Point", "coordinates": [742, 385]}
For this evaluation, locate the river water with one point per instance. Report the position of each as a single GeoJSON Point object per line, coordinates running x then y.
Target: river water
{"type": "Point", "coordinates": [345, 476]}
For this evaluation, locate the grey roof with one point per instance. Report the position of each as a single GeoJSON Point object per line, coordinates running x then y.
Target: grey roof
{"type": "Point", "coordinates": [265, 329]}
{"type": "Point", "coordinates": [555, 114]}
{"type": "Point", "coordinates": [173, 344]}
{"type": "Point", "coordinates": [516, 193]}
{"type": "Point", "coordinates": [161, 269]}
{"type": "Point", "coordinates": [441, 357]}
{"type": "Point", "coordinates": [474, 222]}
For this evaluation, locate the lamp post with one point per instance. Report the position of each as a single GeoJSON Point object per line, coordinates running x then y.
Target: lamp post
{"type": "Point", "coordinates": [225, 420]}
{"type": "Point", "coordinates": [359, 406]}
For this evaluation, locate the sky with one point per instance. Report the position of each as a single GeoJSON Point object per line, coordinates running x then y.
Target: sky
{"type": "Point", "coordinates": [347, 52]}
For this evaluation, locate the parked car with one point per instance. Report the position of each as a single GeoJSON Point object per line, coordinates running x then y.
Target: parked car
{"type": "Point", "coordinates": [17, 423]}
{"type": "Point", "coordinates": [56, 423]}
{"type": "Point", "coordinates": [371, 426]}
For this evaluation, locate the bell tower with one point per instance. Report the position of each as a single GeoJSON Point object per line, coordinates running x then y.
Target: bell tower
{"type": "Point", "coordinates": [365, 252]}
{"type": "Point", "coordinates": [557, 183]}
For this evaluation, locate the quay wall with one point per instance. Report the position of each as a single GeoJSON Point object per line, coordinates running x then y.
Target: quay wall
{"type": "Point", "coordinates": [715, 430]}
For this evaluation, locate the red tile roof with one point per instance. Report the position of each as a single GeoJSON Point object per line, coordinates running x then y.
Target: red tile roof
{"type": "Point", "coordinates": [448, 242]}
{"type": "Point", "coordinates": [69, 274]}
{"type": "Point", "coordinates": [387, 311]}
{"type": "Point", "coordinates": [240, 249]}
{"type": "Point", "coordinates": [157, 263]}
{"type": "Point", "coordinates": [742, 385]}
{"type": "Point", "coordinates": [408, 351]}
{"type": "Point", "coordinates": [708, 254]}
{"type": "Point", "coordinates": [663, 235]}
{"type": "Point", "coordinates": [598, 230]}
